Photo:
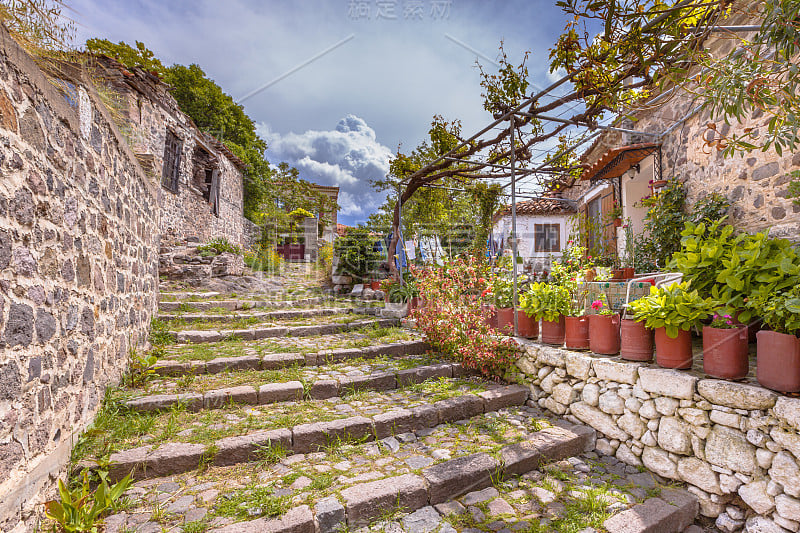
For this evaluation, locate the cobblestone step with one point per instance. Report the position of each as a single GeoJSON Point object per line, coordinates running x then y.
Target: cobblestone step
{"type": "Point", "coordinates": [288, 314]}
{"type": "Point", "coordinates": [295, 390]}
{"type": "Point", "coordinates": [234, 304]}
{"type": "Point", "coordinates": [277, 331]}
{"type": "Point", "coordinates": [175, 457]}
{"type": "Point", "coordinates": [166, 367]}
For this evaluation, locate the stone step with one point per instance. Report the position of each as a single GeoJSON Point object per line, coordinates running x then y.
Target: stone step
{"type": "Point", "coordinates": [264, 316]}
{"type": "Point", "coordinates": [295, 390]}
{"type": "Point", "coordinates": [364, 502]}
{"type": "Point", "coordinates": [278, 331]}
{"type": "Point", "coordinates": [274, 361]}
{"type": "Point", "coordinates": [176, 457]}
{"type": "Point", "coordinates": [236, 304]}
{"type": "Point", "coordinates": [672, 512]}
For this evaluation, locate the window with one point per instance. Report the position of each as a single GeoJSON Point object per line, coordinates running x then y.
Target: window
{"type": "Point", "coordinates": [547, 237]}
{"type": "Point", "coordinates": [172, 162]}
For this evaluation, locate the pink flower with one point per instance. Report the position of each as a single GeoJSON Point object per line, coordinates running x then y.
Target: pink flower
{"type": "Point", "coordinates": [597, 305]}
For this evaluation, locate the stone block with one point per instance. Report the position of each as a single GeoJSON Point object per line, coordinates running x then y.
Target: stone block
{"type": "Point", "coordinates": [315, 436]}
{"type": "Point", "coordinates": [268, 333]}
{"type": "Point", "coordinates": [280, 392]}
{"type": "Point", "coordinates": [598, 420]}
{"type": "Point", "coordinates": [520, 458]}
{"type": "Point", "coordinates": [195, 337]}
{"type": "Point", "coordinates": [453, 478]}
{"type": "Point", "coordinates": [729, 448]}
{"type": "Point", "coordinates": [755, 495]}
{"type": "Point", "coordinates": [667, 382]}
{"type": "Point", "coordinates": [245, 448]}
{"type": "Point", "coordinates": [176, 368]}
{"type": "Point", "coordinates": [762, 524]}
{"type": "Point", "coordinates": [787, 507]}
{"type": "Point", "coordinates": [674, 436]}
{"type": "Point", "coordinates": [658, 461]}
{"type": "Point", "coordinates": [547, 355]}
{"type": "Point", "coordinates": [192, 401]}
{"type": "Point", "coordinates": [410, 376]}
{"type": "Point", "coordinates": [243, 334]}
{"type": "Point", "coordinates": [459, 408]}
{"type": "Point", "coordinates": [788, 410]}
{"type": "Point", "coordinates": [736, 395]}
{"type": "Point", "coordinates": [297, 520]}
{"type": "Point", "coordinates": [394, 423]}
{"type": "Point", "coordinates": [330, 515]}
{"type": "Point", "coordinates": [784, 470]}
{"type": "Point", "coordinates": [578, 365]}
{"type": "Point", "coordinates": [324, 389]}
{"type": "Point", "coordinates": [224, 364]}
{"type": "Point", "coordinates": [786, 439]}
{"type": "Point", "coordinates": [425, 416]}
{"type": "Point", "coordinates": [616, 371]}
{"type": "Point", "coordinates": [500, 397]}
{"type": "Point", "coordinates": [337, 356]}
{"type": "Point", "coordinates": [698, 473]}
{"type": "Point", "coordinates": [367, 501]}
{"type": "Point", "coordinates": [379, 381]}
{"type": "Point", "coordinates": [656, 515]}
{"type": "Point", "coordinates": [147, 462]}
{"type": "Point", "coordinates": [244, 394]}
{"type": "Point", "coordinates": [276, 361]}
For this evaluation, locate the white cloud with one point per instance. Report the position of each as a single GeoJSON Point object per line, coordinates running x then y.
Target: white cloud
{"type": "Point", "coordinates": [348, 156]}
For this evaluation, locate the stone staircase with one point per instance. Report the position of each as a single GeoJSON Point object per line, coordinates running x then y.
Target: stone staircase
{"type": "Point", "coordinates": [352, 426]}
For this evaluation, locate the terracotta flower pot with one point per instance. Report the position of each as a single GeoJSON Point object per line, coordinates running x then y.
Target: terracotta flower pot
{"type": "Point", "coordinates": [725, 352]}
{"type": "Point", "coordinates": [413, 303]}
{"type": "Point", "coordinates": [674, 353]}
{"type": "Point", "coordinates": [553, 331]}
{"type": "Point", "coordinates": [576, 332]}
{"type": "Point", "coordinates": [528, 326]}
{"type": "Point", "coordinates": [375, 285]}
{"type": "Point", "coordinates": [618, 273]}
{"type": "Point", "coordinates": [489, 315]}
{"type": "Point", "coordinates": [505, 319]}
{"type": "Point", "coordinates": [636, 341]}
{"type": "Point", "coordinates": [630, 272]}
{"type": "Point", "coordinates": [778, 361]}
{"type": "Point", "coordinates": [604, 334]}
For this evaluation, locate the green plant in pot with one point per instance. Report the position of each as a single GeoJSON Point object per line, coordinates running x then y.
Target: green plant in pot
{"type": "Point", "coordinates": [725, 347]}
{"type": "Point", "coordinates": [672, 311]}
{"type": "Point", "coordinates": [503, 293]}
{"type": "Point", "coordinates": [576, 323]}
{"type": "Point", "coordinates": [548, 302]}
{"type": "Point", "coordinates": [603, 328]}
{"type": "Point", "coordinates": [778, 348]}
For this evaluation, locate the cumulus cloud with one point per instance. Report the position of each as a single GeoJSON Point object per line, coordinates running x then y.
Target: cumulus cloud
{"type": "Point", "coordinates": [348, 156]}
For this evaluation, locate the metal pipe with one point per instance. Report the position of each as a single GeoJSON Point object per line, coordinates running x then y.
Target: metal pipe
{"type": "Point", "coordinates": [598, 126]}
{"type": "Point", "coordinates": [737, 28]}
{"type": "Point", "coordinates": [400, 234]}
{"type": "Point", "coordinates": [514, 226]}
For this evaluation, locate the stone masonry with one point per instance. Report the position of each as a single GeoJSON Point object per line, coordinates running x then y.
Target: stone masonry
{"type": "Point", "coordinates": [78, 270]}
{"type": "Point", "coordinates": [735, 445]}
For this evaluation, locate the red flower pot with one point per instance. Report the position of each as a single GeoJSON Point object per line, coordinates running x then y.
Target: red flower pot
{"type": "Point", "coordinates": [636, 341]}
{"type": "Point", "coordinates": [604, 334]}
{"type": "Point", "coordinates": [413, 303]}
{"type": "Point", "coordinates": [489, 315]}
{"type": "Point", "coordinates": [674, 353]}
{"type": "Point", "coordinates": [778, 361]}
{"type": "Point", "coordinates": [725, 352]}
{"type": "Point", "coordinates": [527, 326]}
{"type": "Point", "coordinates": [576, 332]}
{"type": "Point", "coordinates": [630, 272]}
{"type": "Point", "coordinates": [553, 331]}
{"type": "Point", "coordinates": [618, 273]}
{"type": "Point", "coordinates": [375, 285]}
{"type": "Point", "coordinates": [505, 319]}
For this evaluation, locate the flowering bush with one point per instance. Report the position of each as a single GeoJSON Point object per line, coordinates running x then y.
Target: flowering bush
{"type": "Point", "coordinates": [453, 320]}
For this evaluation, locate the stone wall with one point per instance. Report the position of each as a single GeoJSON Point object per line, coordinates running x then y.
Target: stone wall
{"type": "Point", "coordinates": [78, 272]}
{"type": "Point", "coordinates": [735, 445]}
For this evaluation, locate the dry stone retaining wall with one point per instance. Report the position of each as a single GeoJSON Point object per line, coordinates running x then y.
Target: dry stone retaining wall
{"type": "Point", "coordinates": [735, 445]}
{"type": "Point", "coordinates": [78, 271]}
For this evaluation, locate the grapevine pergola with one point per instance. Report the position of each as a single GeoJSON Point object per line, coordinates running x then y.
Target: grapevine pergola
{"type": "Point", "coordinates": [605, 75]}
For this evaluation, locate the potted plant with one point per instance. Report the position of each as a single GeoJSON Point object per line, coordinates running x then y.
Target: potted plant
{"type": "Point", "coordinates": [672, 311]}
{"type": "Point", "coordinates": [628, 258]}
{"type": "Point", "coordinates": [603, 328]}
{"type": "Point", "coordinates": [615, 216]}
{"type": "Point", "coordinates": [503, 292]}
{"type": "Point", "coordinates": [725, 347]}
{"type": "Point", "coordinates": [778, 349]}
{"type": "Point", "coordinates": [636, 340]}
{"type": "Point", "coordinates": [549, 303]}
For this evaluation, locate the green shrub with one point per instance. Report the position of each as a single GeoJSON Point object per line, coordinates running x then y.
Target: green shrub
{"type": "Point", "coordinates": [356, 253]}
{"type": "Point", "coordinates": [218, 245]}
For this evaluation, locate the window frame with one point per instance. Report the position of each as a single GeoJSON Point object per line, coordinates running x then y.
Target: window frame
{"type": "Point", "coordinates": [543, 226]}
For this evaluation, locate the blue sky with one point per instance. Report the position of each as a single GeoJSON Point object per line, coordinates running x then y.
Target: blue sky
{"type": "Point", "coordinates": [339, 118]}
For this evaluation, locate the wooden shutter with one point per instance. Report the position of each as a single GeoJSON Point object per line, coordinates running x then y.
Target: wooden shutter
{"type": "Point", "coordinates": [172, 162]}
{"type": "Point", "coordinates": [213, 195]}
{"type": "Point", "coordinates": [609, 230]}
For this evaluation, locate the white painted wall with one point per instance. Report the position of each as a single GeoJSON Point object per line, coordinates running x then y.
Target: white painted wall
{"type": "Point", "coordinates": [525, 230]}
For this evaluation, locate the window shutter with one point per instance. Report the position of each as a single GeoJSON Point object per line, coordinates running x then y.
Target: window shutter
{"type": "Point", "coordinates": [214, 192]}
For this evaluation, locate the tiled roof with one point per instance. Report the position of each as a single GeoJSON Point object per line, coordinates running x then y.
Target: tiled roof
{"type": "Point", "coordinates": [539, 206]}
{"type": "Point", "coordinates": [617, 161]}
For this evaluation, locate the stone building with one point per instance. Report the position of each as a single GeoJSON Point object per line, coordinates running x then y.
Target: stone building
{"type": "Point", "coordinates": [202, 188]}
{"type": "Point", "coordinates": [622, 168]}
{"type": "Point", "coordinates": [79, 244]}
